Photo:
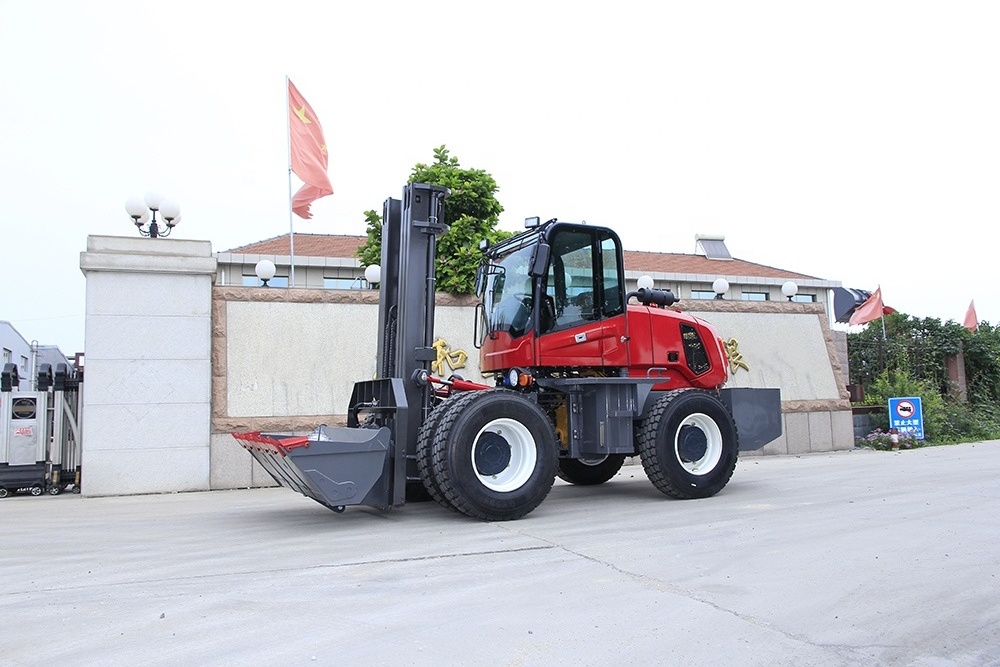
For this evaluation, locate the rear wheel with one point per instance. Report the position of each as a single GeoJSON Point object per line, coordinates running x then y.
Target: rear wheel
{"type": "Point", "coordinates": [494, 455]}
{"type": "Point", "coordinates": [3, 492]}
{"type": "Point", "coordinates": [688, 444]}
{"type": "Point", "coordinates": [36, 490]}
{"type": "Point", "coordinates": [590, 471]}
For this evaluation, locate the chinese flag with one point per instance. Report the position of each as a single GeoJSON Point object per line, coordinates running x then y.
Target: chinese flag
{"type": "Point", "coordinates": [971, 321]}
{"type": "Point", "coordinates": [309, 157]}
{"type": "Point", "coordinates": [871, 309]}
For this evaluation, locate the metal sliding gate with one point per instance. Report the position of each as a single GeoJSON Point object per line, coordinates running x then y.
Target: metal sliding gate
{"type": "Point", "coordinates": [40, 432]}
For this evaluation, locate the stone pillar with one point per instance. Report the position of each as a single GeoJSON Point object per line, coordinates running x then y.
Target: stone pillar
{"type": "Point", "coordinates": [955, 366]}
{"type": "Point", "coordinates": [147, 389]}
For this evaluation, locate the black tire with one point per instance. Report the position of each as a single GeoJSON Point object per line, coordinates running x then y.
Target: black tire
{"type": "Point", "coordinates": [4, 492]}
{"type": "Point", "coordinates": [425, 448]}
{"type": "Point", "coordinates": [36, 490]}
{"type": "Point", "coordinates": [587, 472]}
{"type": "Point", "coordinates": [688, 444]}
{"type": "Point", "coordinates": [54, 490]}
{"type": "Point", "coordinates": [494, 455]}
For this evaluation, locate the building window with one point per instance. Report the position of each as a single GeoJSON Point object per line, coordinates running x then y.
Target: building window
{"type": "Point", "coordinates": [6, 356]}
{"type": "Point", "coordinates": [24, 366]}
{"type": "Point", "coordinates": [344, 283]}
{"type": "Point", "coordinates": [254, 281]}
{"type": "Point", "coordinates": [804, 298]}
{"type": "Point", "coordinates": [702, 294]}
{"type": "Point", "coordinates": [755, 296]}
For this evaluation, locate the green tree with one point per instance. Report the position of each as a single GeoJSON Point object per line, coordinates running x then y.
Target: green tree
{"type": "Point", "coordinates": [371, 252]}
{"type": "Point", "coordinates": [472, 212]}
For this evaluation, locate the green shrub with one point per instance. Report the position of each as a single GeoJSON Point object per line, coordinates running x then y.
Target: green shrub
{"type": "Point", "coordinates": [897, 384]}
{"type": "Point", "coordinates": [964, 422]}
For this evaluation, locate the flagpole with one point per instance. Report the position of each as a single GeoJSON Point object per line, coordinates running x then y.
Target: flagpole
{"type": "Point", "coordinates": [291, 224]}
{"type": "Point", "coordinates": [882, 312]}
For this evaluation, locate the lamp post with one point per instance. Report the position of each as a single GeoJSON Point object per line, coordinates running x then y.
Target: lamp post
{"type": "Point", "coordinates": [790, 289]}
{"type": "Point", "coordinates": [721, 286]}
{"type": "Point", "coordinates": [265, 270]}
{"type": "Point", "coordinates": [143, 210]}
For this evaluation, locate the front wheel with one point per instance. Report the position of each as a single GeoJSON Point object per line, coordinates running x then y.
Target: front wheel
{"type": "Point", "coordinates": [425, 447]}
{"type": "Point", "coordinates": [688, 444]}
{"type": "Point", "coordinates": [36, 490]}
{"type": "Point", "coordinates": [494, 455]}
{"type": "Point", "coordinates": [587, 472]}
{"type": "Point", "coordinates": [3, 492]}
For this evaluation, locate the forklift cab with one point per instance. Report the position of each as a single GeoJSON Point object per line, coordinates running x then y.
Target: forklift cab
{"type": "Point", "coordinates": [553, 296]}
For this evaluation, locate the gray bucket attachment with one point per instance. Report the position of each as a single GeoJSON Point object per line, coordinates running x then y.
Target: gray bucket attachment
{"type": "Point", "coordinates": [361, 464]}
{"type": "Point", "coordinates": [757, 413]}
{"type": "Point", "coordinates": [335, 466]}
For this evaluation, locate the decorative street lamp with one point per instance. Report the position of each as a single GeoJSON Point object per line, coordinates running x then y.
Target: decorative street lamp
{"type": "Point", "coordinates": [265, 270]}
{"type": "Point", "coordinates": [720, 286]}
{"type": "Point", "coordinates": [143, 210]}
{"type": "Point", "coordinates": [790, 289]}
{"type": "Point", "coordinates": [373, 274]}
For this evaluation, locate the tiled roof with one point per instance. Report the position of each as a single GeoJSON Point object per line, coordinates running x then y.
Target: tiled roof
{"type": "Point", "coordinates": [306, 245]}
{"type": "Point", "coordinates": [667, 262]}
{"type": "Point", "coordinates": [331, 245]}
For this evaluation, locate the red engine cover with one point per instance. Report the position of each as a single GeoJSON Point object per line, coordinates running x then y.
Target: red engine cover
{"type": "Point", "coordinates": [648, 342]}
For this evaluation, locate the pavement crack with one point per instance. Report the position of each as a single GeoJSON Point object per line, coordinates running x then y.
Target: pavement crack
{"type": "Point", "coordinates": [306, 568]}
{"type": "Point", "coordinates": [667, 587]}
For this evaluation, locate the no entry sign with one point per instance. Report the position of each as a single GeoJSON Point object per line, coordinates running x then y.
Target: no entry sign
{"type": "Point", "coordinates": [906, 415]}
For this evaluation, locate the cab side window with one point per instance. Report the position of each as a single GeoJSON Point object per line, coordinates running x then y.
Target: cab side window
{"type": "Point", "coordinates": [612, 299]}
{"type": "Point", "coordinates": [570, 285]}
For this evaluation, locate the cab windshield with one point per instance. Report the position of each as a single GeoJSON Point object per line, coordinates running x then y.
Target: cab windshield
{"type": "Point", "coordinates": [507, 298]}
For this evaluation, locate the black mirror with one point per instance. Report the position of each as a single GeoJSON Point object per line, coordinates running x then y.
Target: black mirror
{"type": "Point", "coordinates": [480, 278]}
{"type": "Point", "coordinates": [540, 260]}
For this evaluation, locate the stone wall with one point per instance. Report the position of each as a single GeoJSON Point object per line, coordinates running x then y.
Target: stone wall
{"type": "Point", "coordinates": [286, 361]}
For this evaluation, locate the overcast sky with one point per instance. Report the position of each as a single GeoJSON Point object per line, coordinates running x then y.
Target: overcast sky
{"type": "Point", "coordinates": [851, 141]}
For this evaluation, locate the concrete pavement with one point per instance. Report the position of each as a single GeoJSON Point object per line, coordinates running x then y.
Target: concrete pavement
{"type": "Point", "coordinates": [852, 558]}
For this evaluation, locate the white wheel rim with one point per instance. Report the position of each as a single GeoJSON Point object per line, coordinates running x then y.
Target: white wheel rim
{"type": "Point", "coordinates": [713, 444]}
{"type": "Point", "coordinates": [522, 455]}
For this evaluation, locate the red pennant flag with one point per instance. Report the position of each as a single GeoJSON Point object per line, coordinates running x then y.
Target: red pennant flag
{"type": "Point", "coordinates": [871, 309]}
{"type": "Point", "coordinates": [971, 321]}
{"type": "Point", "coordinates": [308, 153]}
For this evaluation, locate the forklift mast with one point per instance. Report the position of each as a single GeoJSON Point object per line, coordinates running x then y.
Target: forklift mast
{"type": "Point", "coordinates": [410, 228]}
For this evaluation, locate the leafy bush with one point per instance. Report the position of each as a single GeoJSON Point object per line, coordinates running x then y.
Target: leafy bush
{"type": "Point", "coordinates": [897, 384]}
{"type": "Point", "coordinates": [962, 422]}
